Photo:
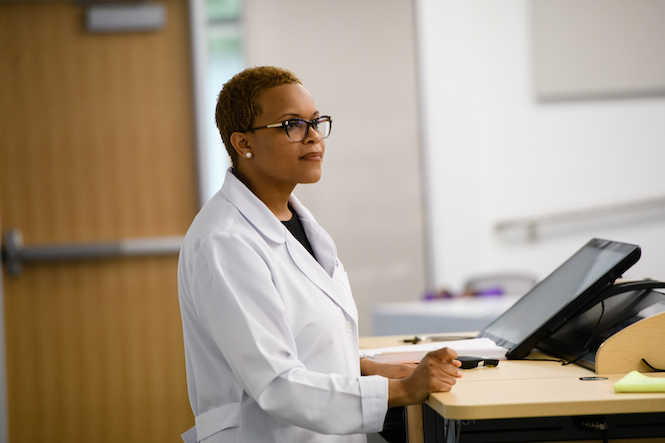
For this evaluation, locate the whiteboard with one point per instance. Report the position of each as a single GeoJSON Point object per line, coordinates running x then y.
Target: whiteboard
{"type": "Point", "coordinates": [588, 49]}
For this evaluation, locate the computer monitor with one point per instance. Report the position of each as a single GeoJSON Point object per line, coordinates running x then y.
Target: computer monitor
{"type": "Point", "coordinates": [568, 290]}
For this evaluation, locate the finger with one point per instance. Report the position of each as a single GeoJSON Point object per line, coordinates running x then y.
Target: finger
{"type": "Point", "coordinates": [444, 385]}
{"type": "Point", "coordinates": [438, 364]}
{"type": "Point", "coordinates": [444, 354]}
{"type": "Point", "coordinates": [451, 368]}
{"type": "Point", "coordinates": [447, 368]}
{"type": "Point", "coordinates": [444, 371]}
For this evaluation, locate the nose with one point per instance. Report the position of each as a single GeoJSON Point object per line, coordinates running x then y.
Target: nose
{"type": "Point", "coordinates": [312, 135]}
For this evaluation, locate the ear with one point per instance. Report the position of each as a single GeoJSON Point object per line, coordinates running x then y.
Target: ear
{"type": "Point", "coordinates": [240, 143]}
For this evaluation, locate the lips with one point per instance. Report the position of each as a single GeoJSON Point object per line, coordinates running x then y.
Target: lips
{"type": "Point", "coordinates": [313, 156]}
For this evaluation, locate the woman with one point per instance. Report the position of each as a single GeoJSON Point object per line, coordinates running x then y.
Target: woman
{"type": "Point", "coordinates": [270, 325]}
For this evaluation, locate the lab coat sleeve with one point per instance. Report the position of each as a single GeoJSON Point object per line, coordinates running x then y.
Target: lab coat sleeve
{"type": "Point", "coordinates": [236, 301]}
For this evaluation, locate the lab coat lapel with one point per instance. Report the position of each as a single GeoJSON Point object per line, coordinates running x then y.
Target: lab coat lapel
{"type": "Point", "coordinates": [330, 285]}
{"type": "Point", "coordinates": [322, 271]}
{"type": "Point", "coordinates": [309, 266]}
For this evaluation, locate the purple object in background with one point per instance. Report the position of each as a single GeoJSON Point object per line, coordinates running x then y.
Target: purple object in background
{"type": "Point", "coordinates": [491, 291]}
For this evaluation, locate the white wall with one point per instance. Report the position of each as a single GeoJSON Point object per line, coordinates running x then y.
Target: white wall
{"type": "Point", "coordinates": [494, 152]}
{"type": "Point", "coordinates": [358, 61]}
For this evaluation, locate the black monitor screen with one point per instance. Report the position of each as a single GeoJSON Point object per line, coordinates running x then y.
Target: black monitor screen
{"type": "Point", "coordinates": [547, 307]}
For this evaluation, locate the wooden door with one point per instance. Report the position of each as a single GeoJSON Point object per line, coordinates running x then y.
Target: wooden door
{"type": "Point", "coordinates": [96, 144]}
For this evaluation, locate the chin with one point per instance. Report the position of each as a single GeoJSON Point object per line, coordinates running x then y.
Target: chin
{"type": "Point", "coordinates": [311, 176]}
{"type": "Point", "coordinates": [310, 180]}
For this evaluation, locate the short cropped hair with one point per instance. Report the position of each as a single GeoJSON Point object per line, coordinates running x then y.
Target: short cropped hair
{"type": "Point", "coordinates": [238, 105]}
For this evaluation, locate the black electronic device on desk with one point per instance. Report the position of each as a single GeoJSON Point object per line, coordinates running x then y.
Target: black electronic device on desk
{"type": "Point", "coordinates": [566, 292]}
{"type": "Point", "coordinates": [613, 310]}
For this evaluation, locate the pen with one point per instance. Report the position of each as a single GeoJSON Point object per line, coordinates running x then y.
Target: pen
{"type": "Point", "coordinates": [419, 338]}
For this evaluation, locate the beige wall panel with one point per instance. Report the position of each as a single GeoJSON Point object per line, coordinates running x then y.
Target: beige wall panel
{"type": "Point", "coordinates": [96, 144]}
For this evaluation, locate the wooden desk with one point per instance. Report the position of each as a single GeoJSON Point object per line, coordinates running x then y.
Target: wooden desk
{"type": "Point", "coordinates": [532, 398]}
{"type": "Point", "coordinates": [538, 401]}
{"type": "Point", "coordinates": [538, 389]}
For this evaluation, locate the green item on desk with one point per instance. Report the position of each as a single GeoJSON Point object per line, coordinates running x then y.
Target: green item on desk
{"type": "Point", "coordinates": [636, 382]}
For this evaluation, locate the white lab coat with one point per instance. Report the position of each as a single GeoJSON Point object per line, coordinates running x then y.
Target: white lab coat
{"type": "Point", "coordinates": [271, 336]}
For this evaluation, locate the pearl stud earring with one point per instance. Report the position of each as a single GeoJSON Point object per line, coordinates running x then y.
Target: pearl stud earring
{"type": "Point", "coordinates": [248, 154]}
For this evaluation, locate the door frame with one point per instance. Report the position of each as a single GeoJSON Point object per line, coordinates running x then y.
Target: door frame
{"type": "Point", "coordinates": [197, 20]}
{"type": "Point", "coordinates": [4, 417]}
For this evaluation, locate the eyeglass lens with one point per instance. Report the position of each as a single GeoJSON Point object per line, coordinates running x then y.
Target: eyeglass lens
{"type": "Point", "coordinates": [297, 130]}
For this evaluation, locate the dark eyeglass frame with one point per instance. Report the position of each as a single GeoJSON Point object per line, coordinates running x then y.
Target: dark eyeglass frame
{"type": "Point", "coordinates": [310, 124]}
{"type": "Point", "coordinates": [473, 362]}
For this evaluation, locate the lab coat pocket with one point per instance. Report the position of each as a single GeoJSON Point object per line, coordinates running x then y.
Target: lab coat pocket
{"type": "Point", "coordinates": [340, 274]}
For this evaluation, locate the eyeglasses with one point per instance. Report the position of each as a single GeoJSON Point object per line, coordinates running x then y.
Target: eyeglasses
{"type": "Point", "coordinates": [297, 129]}
{"type": "Point", "coordinates": [473, 362]}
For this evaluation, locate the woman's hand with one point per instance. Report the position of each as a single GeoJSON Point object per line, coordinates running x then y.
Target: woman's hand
{"type": "Point", "coordinates": [438, 371]}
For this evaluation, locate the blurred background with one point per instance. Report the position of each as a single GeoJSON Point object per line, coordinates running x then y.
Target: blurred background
{"type": "Point", "coordinates": [474, 141]}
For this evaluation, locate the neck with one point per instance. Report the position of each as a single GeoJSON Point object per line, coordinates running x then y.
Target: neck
{"type": "Point", "coordinates": [276, 198]}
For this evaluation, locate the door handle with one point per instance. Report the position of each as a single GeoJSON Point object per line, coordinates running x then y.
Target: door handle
{"type": "Point", "coordinates": [15, 254]}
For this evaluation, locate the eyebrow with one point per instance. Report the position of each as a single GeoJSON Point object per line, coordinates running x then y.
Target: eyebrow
{"type": "Point", "coordinates": [289, 115]}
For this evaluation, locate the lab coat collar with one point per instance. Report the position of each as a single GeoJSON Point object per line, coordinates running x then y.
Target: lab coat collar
{"type": "Point", "coordinates": [253, 209]}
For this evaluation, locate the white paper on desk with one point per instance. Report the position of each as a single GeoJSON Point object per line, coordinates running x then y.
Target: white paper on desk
{"type": "Point", "coordinates": [477, 347]}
